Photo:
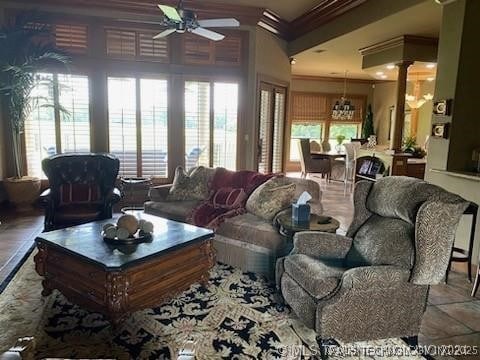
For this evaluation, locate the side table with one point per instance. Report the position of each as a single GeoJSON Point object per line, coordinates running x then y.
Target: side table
{"type": "Point", "coordinates": [288, 228]}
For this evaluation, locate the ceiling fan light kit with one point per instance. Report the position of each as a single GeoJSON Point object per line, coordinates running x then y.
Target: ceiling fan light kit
{"type": "Point", "coordinates": [181, 20]}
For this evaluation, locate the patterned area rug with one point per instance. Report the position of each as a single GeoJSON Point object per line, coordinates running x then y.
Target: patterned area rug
{"type": "Point", "coordinates": [237, 316]}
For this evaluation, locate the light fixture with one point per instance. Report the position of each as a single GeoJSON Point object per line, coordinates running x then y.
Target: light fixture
{"type": "Point", "coordinates": [293, 61]}
{"type": "Point", "coordinates": [390, 66]}
{"type": "Point", "coordinates": [379, 73]}
{"type": "Point", "coordinates": [343, 109]}
{"type": "Point", "coordinates": [430, 79]}
{"type": "Point", "coordinates": [416, 103]}
{"type": "Point", "coordinates": [383, 76]}
{"type": "Point", "coordinates": [430, 66]}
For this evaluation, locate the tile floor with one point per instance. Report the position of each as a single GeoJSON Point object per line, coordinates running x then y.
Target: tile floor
{"type": "Point", "coordinates": [452, 316]}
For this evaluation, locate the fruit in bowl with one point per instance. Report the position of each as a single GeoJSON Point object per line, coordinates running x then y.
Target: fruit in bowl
{"type": "Point", "coordinates": [128, 226]}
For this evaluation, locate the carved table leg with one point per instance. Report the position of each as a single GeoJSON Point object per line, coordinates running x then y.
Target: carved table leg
{"type": "Point", "coordinates": [117, 297]}
{"type": "Point", "coordinates": [40, 266]}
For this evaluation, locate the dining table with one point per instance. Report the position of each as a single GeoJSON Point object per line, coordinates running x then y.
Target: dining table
{"type": "Point", "coordinates": [332, 155]}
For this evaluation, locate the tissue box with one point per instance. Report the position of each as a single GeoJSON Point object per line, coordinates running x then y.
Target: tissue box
{"type": "Point", "coordinates": [300, 213]}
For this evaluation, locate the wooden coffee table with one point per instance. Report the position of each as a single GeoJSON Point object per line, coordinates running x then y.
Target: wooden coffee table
{"type": "Point", "coordinates": [117, 280]}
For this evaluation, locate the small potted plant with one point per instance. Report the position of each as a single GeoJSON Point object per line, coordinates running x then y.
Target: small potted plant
{"type": "Point", "coordinates": [340, 139]}
{"type": "Point", "coordinates": [26, 50]}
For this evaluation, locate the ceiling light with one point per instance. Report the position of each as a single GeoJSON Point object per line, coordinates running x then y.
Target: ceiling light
{"type": "Point", "coordinates": [430, 78]}
{"type": "Point", "coordinates": [390, 66]}
{"type": "Point", "coordinates": [379, 73]}
{"type": "Point", "coordinates": [383, 76]}
{"type": "Point", "coordinates": [430, 66]}
{"type": "Point", "coordinates": [293, 61]}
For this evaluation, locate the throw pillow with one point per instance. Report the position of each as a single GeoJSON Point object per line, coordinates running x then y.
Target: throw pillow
{"type": "Point", "coordinates": [228, 198]}
{"type": "Point", "coordinates": [192, 186]}
{"type": "Point", "coordinates": [271, 197]}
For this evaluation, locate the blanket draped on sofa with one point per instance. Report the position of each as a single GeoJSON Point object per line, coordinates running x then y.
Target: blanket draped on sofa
{"type": "Point", "coordinates": [209, 214]}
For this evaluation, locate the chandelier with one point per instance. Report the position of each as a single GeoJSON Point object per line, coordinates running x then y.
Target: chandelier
{"type": "Point", "coordinates": [343, 109]}
{"type": "Point", "coordinates": [416, 103]}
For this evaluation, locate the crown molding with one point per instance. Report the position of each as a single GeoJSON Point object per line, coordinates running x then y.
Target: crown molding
{"type": "Point", "coordinates": [398, 41]}
{"type": "Point", "coordinates": [321, 14]}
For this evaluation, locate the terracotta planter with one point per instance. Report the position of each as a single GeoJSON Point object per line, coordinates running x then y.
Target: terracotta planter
{"type": "Point", "coordinates": [22, 192]}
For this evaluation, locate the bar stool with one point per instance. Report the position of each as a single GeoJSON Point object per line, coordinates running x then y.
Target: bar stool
{"type": "Point", "coordinates": [461, 255]}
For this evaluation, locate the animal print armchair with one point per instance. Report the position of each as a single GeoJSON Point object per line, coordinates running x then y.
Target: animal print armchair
{"type": "Point", "coordinates": [373, 283]}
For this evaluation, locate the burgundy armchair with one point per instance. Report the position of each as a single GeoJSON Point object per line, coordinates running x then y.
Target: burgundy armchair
{"type": "Point", "coordinates": [82, 189]}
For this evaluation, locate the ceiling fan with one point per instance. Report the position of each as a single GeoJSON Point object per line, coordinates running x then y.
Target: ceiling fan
{"type": "Point", "coordinates": [179, 20]}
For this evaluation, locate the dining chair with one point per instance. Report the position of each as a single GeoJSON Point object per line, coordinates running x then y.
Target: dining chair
{"type": "Point", "coordinates": [315, 146]}
{"type": "Point", "coordinates": [351, 149]}
{"type": "Point", "coordinates": [309, 164]}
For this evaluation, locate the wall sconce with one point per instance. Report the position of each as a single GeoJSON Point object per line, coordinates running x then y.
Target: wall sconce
{"type": "Point", "coordinates": [293, 61]}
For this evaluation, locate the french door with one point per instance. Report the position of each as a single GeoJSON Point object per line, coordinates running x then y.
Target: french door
{"type": "Point", "coordinates": [272, 105]}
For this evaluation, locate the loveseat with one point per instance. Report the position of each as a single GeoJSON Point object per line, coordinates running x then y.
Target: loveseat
{"type": "Point", "coordinates": [245, 241]}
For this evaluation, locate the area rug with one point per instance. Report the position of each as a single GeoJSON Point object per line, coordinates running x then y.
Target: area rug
{"type": "Point", "coordinates": [237, 316]}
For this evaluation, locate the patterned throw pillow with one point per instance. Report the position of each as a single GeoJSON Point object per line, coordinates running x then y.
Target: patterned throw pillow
{"type": "Point", "coordinates": [271, 197]}
{"type": "Point", "coordinates": [192, 186]}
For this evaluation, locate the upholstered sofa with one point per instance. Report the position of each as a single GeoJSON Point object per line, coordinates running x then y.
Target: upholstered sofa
{"type": "Point", "coordinates": [373, 283]}
{"type": "Point", "coordinates": [245, 241]}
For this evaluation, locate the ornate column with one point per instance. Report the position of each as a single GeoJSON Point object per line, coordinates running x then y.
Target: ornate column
{"type": "Point", "coordinates": [396, 143]}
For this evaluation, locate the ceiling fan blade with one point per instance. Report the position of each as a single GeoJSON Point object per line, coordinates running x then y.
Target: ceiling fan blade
{"type": "Point", "coordinates": [164, 33]}
{"type": "Point", "coordinates": [219, 23]}
{"type": "Point", "coordinates": [171, 13]}
{"type": "Point", "coordinates": [212, 35]}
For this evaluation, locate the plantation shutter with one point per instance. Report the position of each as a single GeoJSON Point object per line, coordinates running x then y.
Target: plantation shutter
{"type": "Point", "coordinates": [197, 124]}
{"type": "Point", "coordinates": [225, 125]}
{"type": "Point", "coordinates": [154, 119]}
{"type": "Point", "coordinates": [122, 123]}
{"type": "Point", "coordinates": [153, 49]}
{"type": "Point", "coordinates": [278, 130]}
{"type": "Point", "coordinates": [197, 50]}
{"type": "Point", "coordinates": [264, 137]}
{"type": "Point", "coordinates": [40, 141]}
{"type": "Point", "coordinates": [121, 43]}
{"type": "Point", "coordinates": [73, 93]}
{"type": "Point", "coordinates": [228, 51]}
{"type": "Point", "coordinates": [73, 38]}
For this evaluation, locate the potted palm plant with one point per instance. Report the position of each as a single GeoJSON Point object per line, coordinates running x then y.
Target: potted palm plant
{"type": "Point", "coordinates": [26, 50]}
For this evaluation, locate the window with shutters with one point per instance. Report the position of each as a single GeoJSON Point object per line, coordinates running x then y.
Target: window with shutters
{"type": "Point", "coordinates": [154, 119]}
{"type": "Point", "coordinates": [40, 138]}
{"type": "Point", "coordinates": [139, 136]}
{"type": "Point", "coordinates": [272, 103]}
{"type": "Point", "coordinates": [225, 100]}
{"type": "Point", "coordinates": [152, 49]}
{"type": "Point", "coordinates": [73, 95]}
{"type": "Point", "coordinates": [211, 117]}
{"type": "Point", "coordinates": [197, 124]}
{"type": "Point", "coordinates": [122, 119]}
{"type": "Point", "coordinates": [136, 44]}
{"type": "Point", "coordinates": [72, 37]}
{"type": "Point", "coordinates": [50, 130]}
{"type": "Point", "coordinates": [200, 51]}
{"type": "Point", "coordinates": [121, 43]}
